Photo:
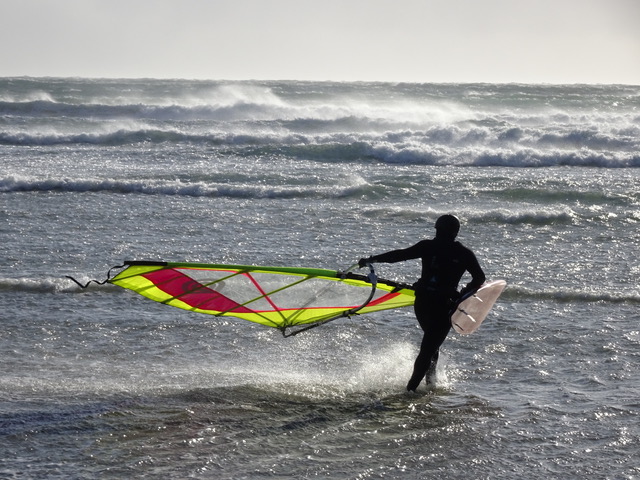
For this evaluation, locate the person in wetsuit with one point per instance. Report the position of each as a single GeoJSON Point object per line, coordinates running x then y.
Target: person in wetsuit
{"type": "Point", "coordinates": [444, 261]}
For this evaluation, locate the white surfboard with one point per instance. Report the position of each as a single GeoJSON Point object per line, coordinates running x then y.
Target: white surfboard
{"type": "Point", "coordinates": [474, 307]}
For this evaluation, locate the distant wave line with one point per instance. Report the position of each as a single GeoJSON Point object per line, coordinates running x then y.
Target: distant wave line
{"type": "Point", "coordinates": [179, 188]}
{"type": "Point", "coordinates": [540, 217]}
{"type": "Point", "coordinates": [511, 294]}
{"type": "Point", "coordinates": [553, 195]}
{"type": "Point", "coordinates": [384, 148]}
{"type": "Point", "coordinates": [38, 285]}
{"type": "Point", "coordinates": [515, 293]}
{"type": "Point", "coordinates": [343, 129]}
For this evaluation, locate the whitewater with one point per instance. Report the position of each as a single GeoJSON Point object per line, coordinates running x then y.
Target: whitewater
{"type": "Point", "coordinates": [103, 383]}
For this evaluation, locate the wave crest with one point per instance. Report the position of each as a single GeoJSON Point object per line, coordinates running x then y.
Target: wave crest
{"type": "Point", "coordinates": [351, 187]}
{"type": "Point", "coordinates": [417, 124]}
{"type": "Point", "coordinates": [38, 285]}
{"type": "Point", "coordinates": [540, 217]}
{"type": "Point", "coordinates": [515, 293]}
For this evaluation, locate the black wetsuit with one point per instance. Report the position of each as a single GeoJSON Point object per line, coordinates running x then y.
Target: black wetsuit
{"type": "Point", "coordinates": [444, 261]}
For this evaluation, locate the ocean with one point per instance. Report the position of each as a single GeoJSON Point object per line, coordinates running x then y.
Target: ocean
{"type": "Point", "coordinates": [102, 383]}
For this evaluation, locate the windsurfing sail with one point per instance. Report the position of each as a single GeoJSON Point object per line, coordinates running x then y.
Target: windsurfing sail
{"type": "Point", "coordinates": [277, 297]}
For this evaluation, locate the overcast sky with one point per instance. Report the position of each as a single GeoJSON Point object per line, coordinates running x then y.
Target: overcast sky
{"type": "Point", "coordinates": [536, 41]}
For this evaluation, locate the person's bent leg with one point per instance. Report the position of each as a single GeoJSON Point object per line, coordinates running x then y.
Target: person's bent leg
{"type": "Point", "coordinates": [427, 359]}
{"type": "Point", "coordinates": [433, 317]}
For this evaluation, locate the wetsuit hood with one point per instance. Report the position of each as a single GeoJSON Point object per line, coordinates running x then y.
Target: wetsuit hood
{"type": "Point", "coordinates": [447, 227]}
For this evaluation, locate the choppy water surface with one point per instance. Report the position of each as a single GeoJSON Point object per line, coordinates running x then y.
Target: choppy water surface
{"type": "Point", "coordinates": [102, 383]}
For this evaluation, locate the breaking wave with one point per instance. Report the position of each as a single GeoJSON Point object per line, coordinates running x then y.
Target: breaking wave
{"type": "Point", "coordinates": [512, 293]}
{"type": "Point", "coordinates": [340, 147]}
{"type": "Point", "coordinates": [516, 293]}
{"type": "Point", "coordinates": [181, 188]}
{"type": "Point", "coordinates": [458, 125]}
{"type": "Point", "coordinates": [38, 285]}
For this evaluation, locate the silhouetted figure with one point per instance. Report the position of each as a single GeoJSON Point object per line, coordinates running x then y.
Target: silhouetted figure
{"type": "Point", "coordinates": [444, 261]}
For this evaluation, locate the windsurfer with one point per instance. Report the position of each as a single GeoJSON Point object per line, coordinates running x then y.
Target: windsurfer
{"type": "Point", "coordinates": [444, 262]}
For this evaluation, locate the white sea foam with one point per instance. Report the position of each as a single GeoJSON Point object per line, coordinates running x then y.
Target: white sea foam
{"type": "Point", "coordinates": [37, 285]}
{"type": "Point", "coordinates": [429, 125]}
{"type": "Point", "coordinates": [345, 188]}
